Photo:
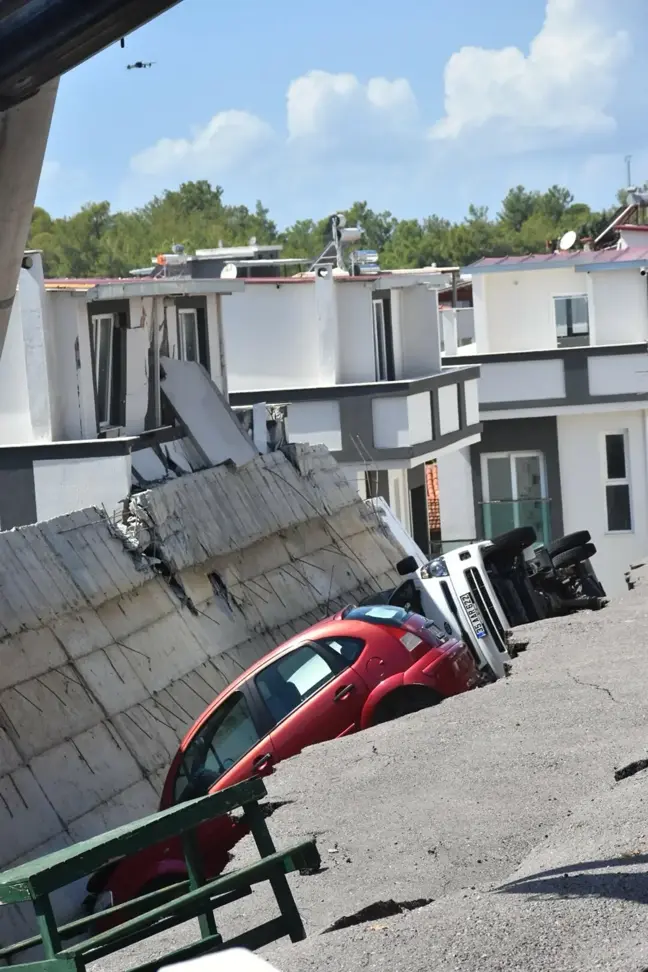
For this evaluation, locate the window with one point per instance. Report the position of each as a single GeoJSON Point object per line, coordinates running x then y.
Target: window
{"type": "Point", "coordinates": [107, 340]}
{"type": "Point", "coordinates": [408, 596]}
{"type": "Point", "coordinates": [349, 649]}
{"type": "Point", "coordinates": [192, 335]}
{"type": "Point", "coordinates": [617, 483]}
{"type": "Point", "coordinates": [224, 739]}
{"type": "Point", "coordinates": [515, 493]}
{"type": "Point", "coordinates": [383, 342]}
{"type": "Point", "coordinates": [291, 680]}
{"type": "Point", "coordinates": [572, 320]}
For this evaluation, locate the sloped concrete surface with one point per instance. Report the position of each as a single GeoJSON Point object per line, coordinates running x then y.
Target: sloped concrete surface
{"type": "Point", "coordinates": [115, 636]}
{"type": "Point", "coordinates": [499, 807]}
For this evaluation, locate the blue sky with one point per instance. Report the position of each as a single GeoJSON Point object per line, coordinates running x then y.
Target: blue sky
{"type": "Point", "coordinates": [420, 106]}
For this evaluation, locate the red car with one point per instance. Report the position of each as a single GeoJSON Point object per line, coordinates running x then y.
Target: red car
{"type": "Point", "coordinates": [364, 666]}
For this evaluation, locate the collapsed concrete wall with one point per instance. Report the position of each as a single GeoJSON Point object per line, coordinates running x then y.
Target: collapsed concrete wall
{"type": "Point", "coordinates": [114, 637]}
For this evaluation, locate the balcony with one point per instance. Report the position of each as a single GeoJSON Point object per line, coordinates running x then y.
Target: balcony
{"type": "Point", "coordinates": [390, 424]}
{"type": "Point", "coordinates": [499, 516]}
{"type": "Point", "coordinates": [546, 379]}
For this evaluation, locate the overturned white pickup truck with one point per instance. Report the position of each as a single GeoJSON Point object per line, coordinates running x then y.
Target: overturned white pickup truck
{"type": "Point", "coordinates": [481, 591]}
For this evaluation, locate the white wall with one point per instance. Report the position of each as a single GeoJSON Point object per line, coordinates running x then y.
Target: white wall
{"type": "Point", "coordinates": [399, 422]}
{"type": "Point", "coordinates": [419, 331]}
{"type": "Point", "coordinates": [620, 305]}
{"type": "Point", "coordinates": [356, 358]}
{"type": "Point", "coordinates": [269, 337]}
{"type": "Point", "coordinates": [64, 485]}
{"type": "Point", "coordinates": [581, 451]}
{"type": "Point", "coordinates": [71, 379]}
{"type": "Point", "coordinates": [456, 502]}
{"type": "Point", "coordinates": [520, 307]}
{"type": "Point", "coordinates": [317, 423]}
{"type": "Point", "coordinates": [521, 381]}
{"type": "Point", "coordinates": [15, 417]}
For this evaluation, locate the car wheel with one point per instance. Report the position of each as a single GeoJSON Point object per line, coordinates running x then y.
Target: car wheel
{"type": "Point", "coordinates": [512, 544]}
{"type": "Point", "coordinates": [574, 556]}
{"type": "Point", "coordinates": [578, 539]}
{"type": "Point", "coordinates": [402, 702]}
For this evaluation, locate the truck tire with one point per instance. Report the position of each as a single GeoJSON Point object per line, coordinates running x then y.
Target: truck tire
{"type": "Point", "coordinates": [574, 556]}
{"type": "Point", "coordinates": [578, 539]}
{"type": "Point", "coordinates": [511, 544]}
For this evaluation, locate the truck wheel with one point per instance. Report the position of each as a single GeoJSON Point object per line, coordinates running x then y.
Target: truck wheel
{"type": "Point", "coordinates": [402, 702]}
{"type": "Point", "coordinates": [574, 556]}
{"type": "Point", "coordinates": [578, 539]}
{"type": "Point", "coordinates": [512, 544]}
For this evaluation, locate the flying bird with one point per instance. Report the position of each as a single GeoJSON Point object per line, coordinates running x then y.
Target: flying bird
{"type": "Point", "coordinates": [140, 64]}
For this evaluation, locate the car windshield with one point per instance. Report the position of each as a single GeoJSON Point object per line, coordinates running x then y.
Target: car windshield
{"type": "Point", "coordinates": [228, 734]}
{"type": "Point", "coordinates": [378, 614]}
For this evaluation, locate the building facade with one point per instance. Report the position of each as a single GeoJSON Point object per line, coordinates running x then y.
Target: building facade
{"type": "Point", "coordinates": [355, 363]}
{"type": "Point", "coordinates": [562, 341]}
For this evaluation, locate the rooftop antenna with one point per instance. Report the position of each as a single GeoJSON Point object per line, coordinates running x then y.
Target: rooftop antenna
{"type": "Point", "coordinates": [628, 162]}
{"type": "Point", "coordinates": [567, 241]}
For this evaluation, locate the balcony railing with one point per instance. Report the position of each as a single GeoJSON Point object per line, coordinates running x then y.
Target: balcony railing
{"type": "Point", "coordinates": [499, 516]}
{"type": "Point", "coordinates": [576, 376]}
{"type": "Point", "coordinates": [402, 421]}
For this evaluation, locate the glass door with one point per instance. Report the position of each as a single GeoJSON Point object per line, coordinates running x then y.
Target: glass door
{"type": "Point", "coordinates": [515, 493]}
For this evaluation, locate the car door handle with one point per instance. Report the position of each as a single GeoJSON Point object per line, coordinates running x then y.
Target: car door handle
{"type": "Point", "coordinates": [262, 762]}
{"type": "Point", "coordinates": [343, 693]}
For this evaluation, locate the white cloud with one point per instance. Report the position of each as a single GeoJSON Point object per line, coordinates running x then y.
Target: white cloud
{"type": "Point", "coordinates": [322, 105]}
{"type": "Point", "coordinates": [227, 139]}
{"type": "Point", "coordinates": [564, 84]}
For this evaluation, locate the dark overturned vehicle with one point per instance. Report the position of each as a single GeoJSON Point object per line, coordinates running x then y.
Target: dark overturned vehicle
{"type": "Point", "coordinates": [481, 591]}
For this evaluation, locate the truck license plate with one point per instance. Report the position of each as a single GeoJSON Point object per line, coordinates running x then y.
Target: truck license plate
{"type": "Point", "coordinates": [473, 615]}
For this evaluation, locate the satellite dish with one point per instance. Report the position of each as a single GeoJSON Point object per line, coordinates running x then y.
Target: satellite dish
{"type": "Point", "coordinates": [229, 271]}
{"type": "Point", "coordinates": [567, 241]}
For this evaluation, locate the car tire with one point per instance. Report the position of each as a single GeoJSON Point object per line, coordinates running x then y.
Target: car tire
{"type": "Point", "coordinates": [512, 543]}
{"type": "Point", "coordinates": [404, 701]}
{"type": "Point", "coordinates": [572, 540]}
{"type": "Point", "coordinates": [574, 556]}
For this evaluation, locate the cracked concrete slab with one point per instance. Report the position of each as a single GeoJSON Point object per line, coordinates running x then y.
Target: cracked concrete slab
{"type": "Point", "coordinates": [483, 804]}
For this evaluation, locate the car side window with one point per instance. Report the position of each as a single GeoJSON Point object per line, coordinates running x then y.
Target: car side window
{"type": "Point", "coordinates": [289, 681]}
{"type": "Point", "coordinates": [349, 649]}
{"type": "Point", "coordinates": [407, 596]}
{"type": "Point", "coordinates": [224, 739]}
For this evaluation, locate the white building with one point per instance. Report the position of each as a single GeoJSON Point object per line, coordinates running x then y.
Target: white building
{"type": "Point", "coordinates": [82, 414]}
{"type": "Point", "coordinates": [561, 340]}
{"type": "Point", "coordinates": [355, 363]}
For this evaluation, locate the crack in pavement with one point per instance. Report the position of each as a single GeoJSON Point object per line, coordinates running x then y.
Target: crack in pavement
{"type": "Point", "coordinates": [599, 688]}
{"type": "Point", "coordinates": [631, 769]}
{"type": "Point", "coordinates": [376, 911]}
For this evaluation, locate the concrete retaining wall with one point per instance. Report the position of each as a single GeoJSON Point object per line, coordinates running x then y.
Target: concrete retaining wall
{"type": "Point", "coordinates": [114, 637]}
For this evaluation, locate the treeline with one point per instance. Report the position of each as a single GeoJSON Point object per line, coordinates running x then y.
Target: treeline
{"type": "Point", "coordinates": [98, 242]}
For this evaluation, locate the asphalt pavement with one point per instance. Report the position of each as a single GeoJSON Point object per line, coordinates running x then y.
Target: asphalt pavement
{"type": "Point", "coordinates": [487, 833]}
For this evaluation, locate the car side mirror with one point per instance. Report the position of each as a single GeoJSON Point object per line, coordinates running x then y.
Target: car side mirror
{"type": "Point", "coordinates": [407, 566]}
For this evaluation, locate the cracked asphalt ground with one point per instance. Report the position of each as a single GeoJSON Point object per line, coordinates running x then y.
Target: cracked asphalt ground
{"type": "Point", "coordinates": [499, 807]}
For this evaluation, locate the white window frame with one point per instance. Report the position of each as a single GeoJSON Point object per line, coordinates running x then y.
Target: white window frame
{"type": "Point", "coordinates": [97, 320]}
{"type": "Point", "coordinates": [572, 296]}
{"type": "Point", "coordinates": [512, 456]}
{"type": "Point", "coordinates": [626, 481]}
{"type": "Point", "coordinates": [182, 340]}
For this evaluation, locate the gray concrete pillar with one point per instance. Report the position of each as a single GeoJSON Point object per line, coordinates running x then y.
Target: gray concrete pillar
{"type": "Point", "coordinates": [24, 130]}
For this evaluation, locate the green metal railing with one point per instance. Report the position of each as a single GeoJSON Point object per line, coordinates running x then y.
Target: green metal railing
{"type": "Point", "coordinates": [502, 515]}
